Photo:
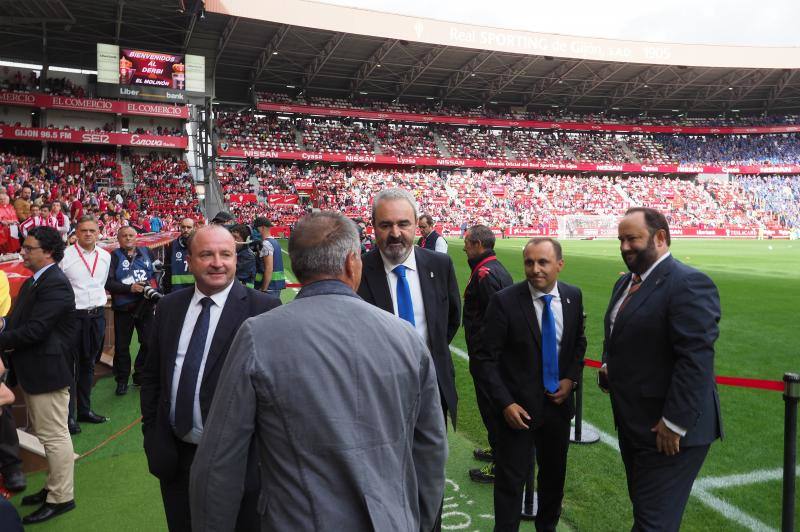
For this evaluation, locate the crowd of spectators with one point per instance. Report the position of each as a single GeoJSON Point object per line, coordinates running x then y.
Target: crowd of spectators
{"type": "Point", "coordinates": [30, 81]}
{"type": "Point", "coordinates": [432, 107]}
{"type": "Point", "coordinates": [328, 136]}
{"type": "Point", "coordinates": [335, 135]}
{"type": "Point", "coordinates": [72, 184]}
{"type": "Point", "coordinates": [527, 199]}
{"type": "Point", "coordinates": [405, 140]}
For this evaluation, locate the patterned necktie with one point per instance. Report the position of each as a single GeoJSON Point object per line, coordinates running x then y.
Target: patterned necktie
{"type": "Point", "coordinates": [184, 399]}
{"type": "Point", "coordinates": [549, 346]}
{"type": "Point", "coordinates": [405, 307]}
{"type": "Point", "coordinates": [636, 283]}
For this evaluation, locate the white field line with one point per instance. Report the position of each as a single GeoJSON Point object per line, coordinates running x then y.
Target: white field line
{"type": "Point", "coordinates": [701, 486]}
{"type": "Point", "coordinates": [288, 275]}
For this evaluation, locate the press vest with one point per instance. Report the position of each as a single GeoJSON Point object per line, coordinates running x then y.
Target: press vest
{"type": "Point", "coordinates": [180, 277]}
{"type": "Point", "coordinates": [128, 272]}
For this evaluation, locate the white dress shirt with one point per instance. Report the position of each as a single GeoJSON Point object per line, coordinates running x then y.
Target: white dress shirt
{"type": "Point", "coordinates": [89, 288]}
{"type": "Point", "coordinates": [672, 426]}
{"type": "Point", "coordinates": [644, 276]}
{"type": "Point", "coordinates": [412, 276]}
{"type": "Point", "coordinates": [555, 307]}
{"type": "Point", "coordinates": [441, 245]}
{"type": "Point", "coordinates": [189, 321]}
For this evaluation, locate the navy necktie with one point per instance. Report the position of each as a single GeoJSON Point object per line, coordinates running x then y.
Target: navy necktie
{"type": "Point", "coordinates": [184, 399]}
{"type": "Point", "coordinates": [549, 346]}
{"type": "Point", "coordinates": [405, 307]}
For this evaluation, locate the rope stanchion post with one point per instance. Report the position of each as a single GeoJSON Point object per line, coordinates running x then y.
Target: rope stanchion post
{"type": "Point", "coordinates": [791, 396]}
{"type": "Point", "coordinates": [579, 433]}
{"type": "Point", "coordinates": [529, 502]}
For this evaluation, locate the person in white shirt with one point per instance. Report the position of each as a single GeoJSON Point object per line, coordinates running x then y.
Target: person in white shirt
{"type": "Point", "coordinates": [86, 265]}
{"type": "Point", "coordinates": [430, 239]}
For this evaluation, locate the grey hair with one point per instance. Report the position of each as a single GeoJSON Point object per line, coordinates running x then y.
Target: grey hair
{"type": "Point", "coordinates": [320, 244]}
{"type": "Point", "coordinates": [393, 194]}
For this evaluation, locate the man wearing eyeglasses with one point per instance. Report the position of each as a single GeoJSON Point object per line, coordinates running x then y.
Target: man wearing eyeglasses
{"type": "Point", "coordinates": [37, 337]}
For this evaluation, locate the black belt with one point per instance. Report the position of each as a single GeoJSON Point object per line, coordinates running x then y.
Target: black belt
{"type": "Point", "coordinates": [96, 311]}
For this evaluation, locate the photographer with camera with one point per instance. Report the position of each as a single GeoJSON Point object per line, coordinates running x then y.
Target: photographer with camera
{"type": "Point", "coordinates": [132, 283]}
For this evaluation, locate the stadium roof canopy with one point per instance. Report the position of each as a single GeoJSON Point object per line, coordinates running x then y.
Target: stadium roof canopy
{"type": "Point", "coordinates": [242, 53]}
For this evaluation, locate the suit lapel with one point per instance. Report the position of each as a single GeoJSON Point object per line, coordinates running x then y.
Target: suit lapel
{"type": "Point", "coordinates": [567, 313]}
{"type": "Point", "coordinates": [233, 315]}
{"type": "Point", "coordinates": [182, 306]}
{"type": "Point", "coordinates": [378, 284]}
{"type": "Point", "coordinates": [526, 306]}
{"type": "Point", "coordinates": [21, 302]}
{"type": "Point", "coordinates": [428, 289]}
{"type": "Point", "coordinates": [619, 288]}
{"type": "Point", "coordinates": [650, 285]}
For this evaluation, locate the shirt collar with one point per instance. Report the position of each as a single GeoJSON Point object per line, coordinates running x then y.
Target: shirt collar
{"type": "Point", "coordinates": [655, 264]}
{"type": "Point", "coordinates": [410, 262]}
{"type": "Point", "coordinates": [537, 294]}
{"type": "Point", "coordinates": [40, 272]}
{"type": "Point", "coordinates": [219, 298]}
{"type": "Point", "coordinates": [80, 249]}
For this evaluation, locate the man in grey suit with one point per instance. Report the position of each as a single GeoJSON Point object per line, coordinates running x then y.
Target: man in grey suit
{"type": "Point", "coordinates": [350, 427]}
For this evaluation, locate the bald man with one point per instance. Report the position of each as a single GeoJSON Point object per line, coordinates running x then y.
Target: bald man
{"type": "Point", "coordinates": [176, 266]}
{"type": "Point", "coordinates": [182, 368]}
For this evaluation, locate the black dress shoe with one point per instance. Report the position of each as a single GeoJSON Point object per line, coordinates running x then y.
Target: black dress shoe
{"type": "Point", "coordinates": [73, 426]}
{"type": "Point", "coordinates": [14, 480]}
{"type": "Point", "coordinates": [91, 417]}
{"type": "Point", "coordinates": [40, 497]}
{"type": "Point", "coordinates": [47, 511]}
{"type": "Point", "coordinates": [485, 454]}
{"type": "Point", "coordinates": [122, 388]}
{"type": "Point", "coordinates": [137, 380]}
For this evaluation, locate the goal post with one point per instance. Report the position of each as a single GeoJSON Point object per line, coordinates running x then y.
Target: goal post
{"type": "Point", "coordinates": [584, 226]}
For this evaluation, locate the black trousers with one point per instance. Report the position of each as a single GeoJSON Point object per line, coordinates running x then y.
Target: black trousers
{"type": "Point", "coordinates": [175, 495]}
{"type": "Point", "coordinates": [91, 328]}
{"type": "Point", "coordinates": [513, 458]}
{"type": "Point", "coordinates": [488, 414]}
{"type": "Point", "coordinates": [659, 485]}
{"type": "Point", "coordinates": [9, 442]}
{"type": "Point", "coordinates": [124, 323]}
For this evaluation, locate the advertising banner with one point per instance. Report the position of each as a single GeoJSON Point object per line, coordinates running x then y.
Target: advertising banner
{"type": "Point", "coordinates": [531, 124]}
{"type": "Point", "coordinates": [95, 105]}
{"type": "Point", "coordinates": [91, 137]}
{"type": "Point", "coordinates": [153, 69]}
{"type": "Point", "coordinates": [505, 164]}
{"type": "Point", "coordinates": [242, 198]}
{"type": "Point", "coordinates": [283, 199]}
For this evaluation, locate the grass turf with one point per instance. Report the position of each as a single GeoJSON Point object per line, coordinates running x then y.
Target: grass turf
{"type": "Point", "coordinates": [759, 282]}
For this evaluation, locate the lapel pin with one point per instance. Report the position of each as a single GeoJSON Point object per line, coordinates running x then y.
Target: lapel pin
{"type": "Point", "coordinates": [568, 302]}
{"type": "Point", "coordinates": [431, 275]}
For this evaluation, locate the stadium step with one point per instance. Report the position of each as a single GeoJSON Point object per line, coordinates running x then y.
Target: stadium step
{"type": "Point", "coordinates": [376, 146]}
{"type": "Point", "coordinates": [127, 176]}
{"type": "Point", "coordinates": [440, 145]}
{"type": "Point", "coordinates": [628, 152]}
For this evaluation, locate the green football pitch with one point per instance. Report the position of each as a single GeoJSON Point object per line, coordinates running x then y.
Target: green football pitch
{"type": "Point", "coordinates": [739, 487]}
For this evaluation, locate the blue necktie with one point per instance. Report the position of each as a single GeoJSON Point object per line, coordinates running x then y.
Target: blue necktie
{"type": "Point", "coordinates": [184, 399]}
{"type": "Point", "coordinates": [404, 305]}
{"type": "Point", "coordinates": [549, 347]}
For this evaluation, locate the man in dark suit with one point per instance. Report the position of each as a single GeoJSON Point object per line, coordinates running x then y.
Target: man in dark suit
{"type": "Point", "coordinates": [37, 337]}
{"type": "Point", "coordinates": [658, 354]}
{"type": "Point", "coordinates": [415, 284]}
{"type": "Point", "coordinates": [530, 359]}
{"type": "Point", "coordinates": [192, 333]}
{"type": "Point", "coordinates": [488, 277]}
